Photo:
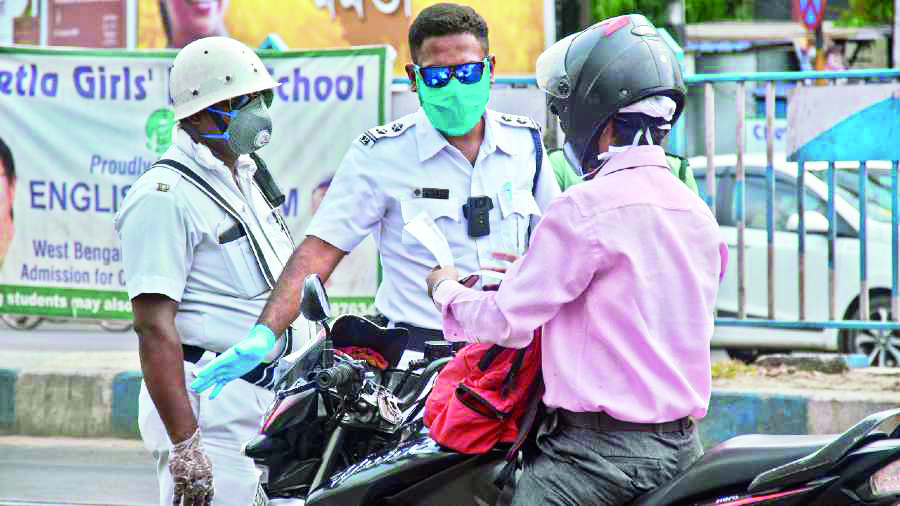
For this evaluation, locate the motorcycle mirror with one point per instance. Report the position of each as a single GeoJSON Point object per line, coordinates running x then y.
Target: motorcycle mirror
{"type": "Point", "coordinates": [314, 301]}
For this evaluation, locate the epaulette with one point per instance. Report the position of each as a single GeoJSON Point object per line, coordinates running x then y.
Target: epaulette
{"type": "Point", "coordinates": [163, 178]}
{"type": "Point", "coordinates": [519, 121]}
{"type": "Point", "coordinates": [373, 135]}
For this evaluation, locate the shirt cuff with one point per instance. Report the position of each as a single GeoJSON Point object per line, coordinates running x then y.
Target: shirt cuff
{"type": "Point", "coordinates": [446, 290]}
{"type": "Point", "coordinates": [443, 296]}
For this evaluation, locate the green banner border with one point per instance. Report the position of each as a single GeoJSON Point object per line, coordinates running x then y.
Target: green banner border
{"type": "Point", "coordinates": [350, 304]}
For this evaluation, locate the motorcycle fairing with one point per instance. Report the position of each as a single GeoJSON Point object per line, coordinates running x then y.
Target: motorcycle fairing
{"type": "Point", "coordinates": [389, 473]}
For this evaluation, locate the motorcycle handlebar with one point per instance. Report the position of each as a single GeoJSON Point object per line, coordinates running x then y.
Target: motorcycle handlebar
{"type": "Point", "coordinates": [336, 376]}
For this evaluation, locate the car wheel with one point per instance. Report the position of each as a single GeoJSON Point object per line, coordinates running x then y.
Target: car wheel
{"type": "Point", "coordinates": [881, 346]}
{"type": "Point", "coordinates": [21, 322]}
{"type": "Point", "coordinates": [745, 356]}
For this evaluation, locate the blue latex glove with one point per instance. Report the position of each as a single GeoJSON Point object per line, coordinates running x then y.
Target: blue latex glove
{"type": "Point", "coordinates": [236, 361]}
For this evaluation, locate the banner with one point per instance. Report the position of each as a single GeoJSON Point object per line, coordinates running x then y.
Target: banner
{"type": "Point", "coordinates": [81, 126]}
{"type": "Point", "coordinates": [518, 31]}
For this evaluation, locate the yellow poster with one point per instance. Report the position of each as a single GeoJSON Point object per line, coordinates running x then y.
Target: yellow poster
{"type": "Point", "coordinates": [515, 27]}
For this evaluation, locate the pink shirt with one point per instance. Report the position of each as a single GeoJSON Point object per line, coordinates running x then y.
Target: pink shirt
{"type": "Point", "coordinates": [622, 272]}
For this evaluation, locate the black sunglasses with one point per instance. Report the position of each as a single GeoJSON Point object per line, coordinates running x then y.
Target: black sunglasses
{"type": "Point", "coordinates": [466, 73]}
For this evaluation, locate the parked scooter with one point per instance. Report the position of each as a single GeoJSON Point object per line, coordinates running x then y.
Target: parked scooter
{"type": "Point", "coordinates": [346, 433]}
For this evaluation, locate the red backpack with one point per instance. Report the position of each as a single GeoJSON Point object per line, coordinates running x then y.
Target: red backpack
{"type": "Point", "coordinates": [481, 395]}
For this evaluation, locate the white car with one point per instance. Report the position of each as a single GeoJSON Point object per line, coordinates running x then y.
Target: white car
{"type": "Point", "coordinates": [882, 347]}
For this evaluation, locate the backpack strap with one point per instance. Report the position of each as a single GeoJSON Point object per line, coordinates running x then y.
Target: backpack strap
{"type": "Point", "coordinates": [528, 418]}
{"type": "Point", "coordinates": [510, 380]}
{"type": "Point", "coordinates": [489, 356]}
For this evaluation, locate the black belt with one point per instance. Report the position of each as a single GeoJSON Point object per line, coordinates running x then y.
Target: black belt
{"type": "Point", "coordinates": [418, 336]}
{"type": "Point", "coordinates": [262, 375]}
{"type": "Point", "coordinates": [602, 421]}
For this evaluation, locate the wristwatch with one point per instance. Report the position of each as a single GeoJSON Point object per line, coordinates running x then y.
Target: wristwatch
{"type": "Point", "coordinates": [433, 288]}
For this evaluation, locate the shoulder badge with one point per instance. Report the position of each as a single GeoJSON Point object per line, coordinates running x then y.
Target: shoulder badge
{"type": "Point", "coordinates": [373, 135]}
{"type": "Point", "coordinates": [162, 178]}
{"type": "Point", "coordinates": [515, 120]}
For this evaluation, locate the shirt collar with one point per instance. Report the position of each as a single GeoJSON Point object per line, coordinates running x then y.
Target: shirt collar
{"type": "Point", "coordinates": [496, 137]}
{"type": "Point", "coordinates": [203, 157]}
{"type": "Point", "coordinates": [430, 141]}
{"type": "Point", "coordinates": [638, 156]}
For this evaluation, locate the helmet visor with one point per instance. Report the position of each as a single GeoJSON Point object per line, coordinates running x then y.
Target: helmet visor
{"type": "Point", "coordinates": [550, 70]}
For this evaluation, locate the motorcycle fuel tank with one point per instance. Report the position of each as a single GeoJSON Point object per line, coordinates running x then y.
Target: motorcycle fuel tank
{"type": "Point", "coordinates": [418, 472]}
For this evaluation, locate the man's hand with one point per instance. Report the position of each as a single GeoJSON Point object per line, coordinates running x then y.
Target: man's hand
{"type": "Point", "coordinates": [438, 274]}
{"type": "Point", "coordinates": [191, 472]}
{"type": "Point", "coordinates": [236, 361]}
{"type": "Point", "coordinates": [506, 257]}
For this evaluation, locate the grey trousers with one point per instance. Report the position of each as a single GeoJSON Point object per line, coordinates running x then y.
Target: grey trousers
{"type": "Point", "coordinates": [578, 466]}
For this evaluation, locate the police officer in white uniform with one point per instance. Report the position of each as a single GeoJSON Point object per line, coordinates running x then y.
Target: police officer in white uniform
{"type": "Point", "coordinates": [203, 242]}
{"type": "Point", "coordinates": [471, 169]}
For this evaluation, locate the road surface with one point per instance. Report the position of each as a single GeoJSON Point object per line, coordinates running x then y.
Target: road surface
{"type": "Point", "coordinates": [81, 471]}
{"type": "Point", "coordinates": [66, 337]}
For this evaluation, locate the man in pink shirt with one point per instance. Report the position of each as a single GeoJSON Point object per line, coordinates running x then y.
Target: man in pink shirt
{"type": "Point", "coordinates": [622, 274]}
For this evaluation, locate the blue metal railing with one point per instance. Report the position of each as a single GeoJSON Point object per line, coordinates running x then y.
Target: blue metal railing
{"type": "Point", "coordinates": [770, 78]}
{"type": "Point", "coordinates": [708, 80]}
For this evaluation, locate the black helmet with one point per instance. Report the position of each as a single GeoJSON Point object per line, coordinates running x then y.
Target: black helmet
{"type": "Point", "coordinates": [590, 75]}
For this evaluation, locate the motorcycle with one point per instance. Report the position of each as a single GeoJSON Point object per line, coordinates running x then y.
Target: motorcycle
{"type": "Point", "coordinates": [347, 433]}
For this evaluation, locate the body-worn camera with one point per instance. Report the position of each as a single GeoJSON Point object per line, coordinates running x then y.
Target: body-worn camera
{"type": "Point", "coordinates": [477, 212]}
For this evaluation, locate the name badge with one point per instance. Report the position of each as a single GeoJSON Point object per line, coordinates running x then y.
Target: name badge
{"type": "Point", "coordinates": [432, 193]}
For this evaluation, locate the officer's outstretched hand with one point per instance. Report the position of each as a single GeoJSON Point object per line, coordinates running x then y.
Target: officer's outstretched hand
{"type": "Point", "coordinates": [236, 361]}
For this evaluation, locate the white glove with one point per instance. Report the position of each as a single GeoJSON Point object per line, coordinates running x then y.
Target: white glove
{"type": "Point", "coordinates": [192, 472]}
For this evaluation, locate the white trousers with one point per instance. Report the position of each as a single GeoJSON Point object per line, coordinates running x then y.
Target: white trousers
{"type": "Point", "coordinates": [226, 423]}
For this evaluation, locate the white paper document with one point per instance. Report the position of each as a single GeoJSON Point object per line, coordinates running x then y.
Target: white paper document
{"type": "Point", "coordinates": [485, 273]}
{"type": "Point", "coordinates": [424, 229]}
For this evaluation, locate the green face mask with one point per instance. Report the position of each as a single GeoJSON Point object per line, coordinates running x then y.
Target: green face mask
{"type": "Point", "coordinates": [456, 108]}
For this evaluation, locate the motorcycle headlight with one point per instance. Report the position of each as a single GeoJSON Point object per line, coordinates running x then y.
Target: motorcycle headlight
{"type": "Point", "coordinates": [886, 481]}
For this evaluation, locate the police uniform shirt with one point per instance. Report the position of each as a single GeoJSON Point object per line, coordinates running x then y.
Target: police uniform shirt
{"type": "Point", "coordinates": [393, 173]}
{"type": "Point", "coordinates": [175, 242]}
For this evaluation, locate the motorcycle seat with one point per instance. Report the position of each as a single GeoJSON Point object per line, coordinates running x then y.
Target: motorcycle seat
{"type": "Point", "coordinates": [733, 463]}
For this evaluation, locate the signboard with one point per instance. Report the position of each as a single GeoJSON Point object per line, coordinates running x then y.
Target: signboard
{"type": "Point", "coordinates": [854, 122]}
{"type": "Point", "coordinates": [86, 23]}
{"type": "Point", "coordinates": [755, 129]}
{"type": "Point", "coordinates": [81, 126]}
{"type": "Point", "coordinates": [809, 12]}
{"type": "Point", "coordinates": [518, 31]}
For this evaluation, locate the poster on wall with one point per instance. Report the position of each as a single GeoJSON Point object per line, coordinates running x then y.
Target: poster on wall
{"type": "Point", "coordinates": [86, 23]}
{"type": "Point", "coordinates": [81, 126]}
{"type": "Point", "coordinates": [518, 31]}
{"type": "Point", "coordinates": [18, 22]}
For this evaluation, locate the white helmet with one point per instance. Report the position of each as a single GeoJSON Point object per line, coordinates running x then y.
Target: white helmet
{"type": "Point", "coordinates": [213, 69]}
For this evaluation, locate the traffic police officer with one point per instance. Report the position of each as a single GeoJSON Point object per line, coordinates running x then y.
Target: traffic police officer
{"type": "Point", "coordinates": [203, 243]}
{"type": "Point", "coordinates": [470, 168]}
